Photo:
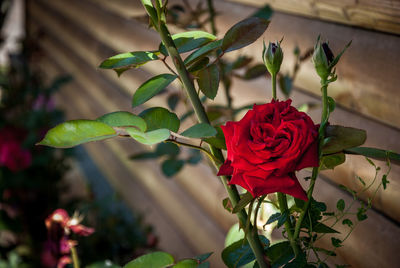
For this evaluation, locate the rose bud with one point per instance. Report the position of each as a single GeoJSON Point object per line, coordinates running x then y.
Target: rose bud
{"type": "Point", "coordinates": [267, 146]}
{"type": "Point", "coordinates": [273, 57]}
{"type": "Point", "coordinates": [323, 59]}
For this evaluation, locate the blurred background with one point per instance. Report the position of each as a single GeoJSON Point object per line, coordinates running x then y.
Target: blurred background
{"type": "Point", "coordinates": [53, 75]}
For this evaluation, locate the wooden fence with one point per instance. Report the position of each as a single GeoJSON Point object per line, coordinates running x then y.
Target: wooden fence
{"type": "Point", "coordinates": [76, 35]}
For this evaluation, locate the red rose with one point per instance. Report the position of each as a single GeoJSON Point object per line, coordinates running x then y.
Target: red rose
{"type": "Point", "coordinates": [267, 146]}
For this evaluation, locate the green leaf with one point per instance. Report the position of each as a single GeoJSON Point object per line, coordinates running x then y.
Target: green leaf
{"type": "Point", "coordinates": [237, 254]}
{"type": "Point", "coordinates": [167, 148]}
{"type": "Point", "coordinates": [361, 214]}
{"type": "Point", "coordinates": [282, 219]}
{"type": "Point", "coordinates": [320, 206]}
{"type": "Point", "coordinates": [243, 202]}
{"type": "Point", "coordinates": [280, 254]}
{"type": "Point", "coordinates": [204, 265]}
{"type": "Point", "coordinates": [218, 141]}
{"type": "Point", "coordinates": [342, 138]}
{"type": "Point", "coordinates": [340, 204]}
{"type": "Point", "coordinates": [331, 104]}
{"type": "Point", "coordinates": [75, 132]}
{"type": "Point", "coordinates": [208, 81]}
{"type": "Point", "coordinates": [188, 41]}
{"type": "Point", "coordinates": [374, 153]}
{"type": "Point", "coordinates": [384, 181]}
{"type": "Point", "coordinates": [347, 222]}
{"type": "Point", "coordinates": [274, 217]}
{"type": "Point", "coordinates": [336, 242]}
{"type": "Point", "coordinates": [265, 12]}
{"type": "Point", "coordinates": [202, 52]}
{"type": "Point", "coordinates": [129, 60]}
{"type": "Point", "coordinates": [199, 131]}
{"type": "Point", "coordinates": [255, 71]}
{"type": "Point", "coordinates": [198, 65]}
{"type": "Point", "coordinates": [159, 117]}
{"type": "Point", "coordinates": [123, 119]}
{"type": "Point", "coordinates": [172, 166]}
{"type": "Point", "coordinates": [203, 257]}
{"type": "Point", "coordinates": [226, 203]}
{"type": "Point", "coordinates": [148, 138]}
{"type": "Point", "coordinates": [322, 228]}
{"type": "Point", "coordinates": [154, 260]}
{"type": "Point", "coordinates": [151, 87]}
{"type": "Point", "coordinates": [332, 160]}
{"type": "Point", "coordinates": [148, 5]}
{"type": "Point", "coordinates": [187, 263]}
{"type": "Point", "coordinates": [299, 262]}
{"type": "Point", "coordinates": [244, 33]}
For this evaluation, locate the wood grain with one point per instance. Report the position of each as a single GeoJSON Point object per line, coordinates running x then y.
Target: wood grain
{"type": "Point", "coordinates": [377, 15]}
{"type": "Point", "coordinates": [94, 51]}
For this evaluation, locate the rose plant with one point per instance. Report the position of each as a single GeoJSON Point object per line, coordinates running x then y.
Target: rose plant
{"type": "Point", "coordinates": [265, 148]}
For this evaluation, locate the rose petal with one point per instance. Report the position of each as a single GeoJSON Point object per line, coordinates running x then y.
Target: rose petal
{"type": "Point", "coordinates": [226, 169]}
{"type": "Point", "coordinates": [310, 157]}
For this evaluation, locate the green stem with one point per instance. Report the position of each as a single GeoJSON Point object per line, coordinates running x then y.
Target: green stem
{"type": "Point", "coordinates": [273, 77]}
{"type": "Point", "coordinates": [288, 225]}
{"type": "Point", "coordinates": [233, 194]}
{"type": "Point", "coordinates": [75, 259]}
{"type": "Point", "coordinates": [315, 171]}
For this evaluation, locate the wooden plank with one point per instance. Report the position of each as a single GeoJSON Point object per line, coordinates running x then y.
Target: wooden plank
{"type": "Point", "coordinates": [377, 15]}
{"type": "Point", "coordinates": [346, 172]}
{"type": "Point", "coordinates": [192, 221]}
{"type": "Point", "coordinates": [367, 73]}
{"type": "Point", "coordinates": [383, 239]}
{"type": "Point", "coordinates": [383, 229]}
{"type": "Point", "coordinates": [211, 200]}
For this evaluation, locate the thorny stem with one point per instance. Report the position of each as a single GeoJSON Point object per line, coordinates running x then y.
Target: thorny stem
{"type": "Point", "coordinates": [233, 194]}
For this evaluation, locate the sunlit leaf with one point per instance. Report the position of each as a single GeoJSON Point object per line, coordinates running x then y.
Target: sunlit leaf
{"type": "Point", "coordinates": [151, 87]}
{"type": "Point", "coordinates": [149, 138]}
{"type": "Point", "coordinates": [75, 132]}
{"type": "Point", "coordinates": [187, 41]}
{"type": "Point", "coordinates": [129, 60]}
{"type": "Point", "coordinates": [187, 263]}
{"type": "Point", "coordinates": [198, 131]}
{"type": "Point", "coordinates": [123, 119]}
{"type": "Point", "coordinates": [159, 117]}
{"type": "Point", "coordinates": [154, 260]}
